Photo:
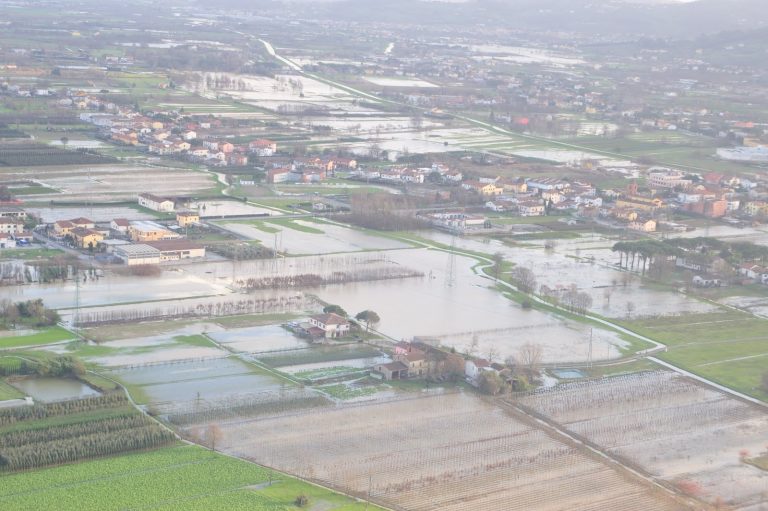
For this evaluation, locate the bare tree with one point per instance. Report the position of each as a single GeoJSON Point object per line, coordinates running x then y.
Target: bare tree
{"type": "Point", "coordinates": [524, 278]}
{"type": "Point", "coordinates": [530, 356]}
{"type": "Point", "coordinates": [630, 309]}
{"type": "Point", "coordinates": [213, 434]}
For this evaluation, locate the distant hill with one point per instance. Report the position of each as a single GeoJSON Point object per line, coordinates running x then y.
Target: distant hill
{"type": "Point", "coordinates": [634, 18]}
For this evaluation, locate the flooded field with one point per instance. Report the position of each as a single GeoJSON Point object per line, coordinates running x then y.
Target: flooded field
{"type": "Point", "coordinates": [115, 289]}
{"type": "Point", "coordinates": [398, 82]}
{"type": "Point", "coordinates": [222, 208]}
{"type": "Point", "coordinates": [259, 339]}
{"type": "Point", "coordinates": [588, 263]}
{"type": "Point", "coordinates": [187, 381]}
{"type": "Point", "coordinates": [282, 90]}
{"type": "Point", "coordinates": [451, 452]}
{"type": "Point", "coordinates": [49, 390]}
{"type": "Point", "coordinates": [328, 238]}
{"type": "Point", "coordinates": [154, 349]}
{"type": "Point", "coordinates": [465, 311]}
{"type": "Point", "coordinates": [673, 427]}
{"type": "Point", "coordinates": [112, 182]}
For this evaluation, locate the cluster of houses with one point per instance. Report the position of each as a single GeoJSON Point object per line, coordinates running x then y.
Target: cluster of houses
{"type": "Point", "coordinates": [534, 196]}
{"type": "Point", "coordinates": [176, 137]}
{"type": "Point", "coordinates": [305, 170]}
{"type": "Point", "coordinates": [133, 242]}
{"type": "Point", "coordinates": [399, 174]}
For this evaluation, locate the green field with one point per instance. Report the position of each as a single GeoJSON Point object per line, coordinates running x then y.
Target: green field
{"type": "Point", "coordinates": [29, 253]}
{"type": "Point", "coordinates": [9, 392]}
{"type": "Point", "coordinates": [186, 477]}
{"type": "Point", "coordinates": [730, 347]}
{"type": "Point", "coordinates": [46, 336]}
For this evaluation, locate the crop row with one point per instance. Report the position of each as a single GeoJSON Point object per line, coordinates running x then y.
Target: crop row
{"type": "Point", "coordinates": [42, 411]}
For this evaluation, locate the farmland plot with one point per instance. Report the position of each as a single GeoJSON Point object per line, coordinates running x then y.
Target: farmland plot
{"type": "Point", "coordinates": [114, 182]}
{"type": "Point", "coordinates": [442, 451]}
{"type": "Point", "coordinates": [670, 426]}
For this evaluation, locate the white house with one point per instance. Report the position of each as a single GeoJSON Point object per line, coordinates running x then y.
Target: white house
{"type": "Point", "coordinates": [331, 324]}
{"type": "Point", "coordinates": [473, 368]}
{"type": "Point", "coordinates": [155, 203]}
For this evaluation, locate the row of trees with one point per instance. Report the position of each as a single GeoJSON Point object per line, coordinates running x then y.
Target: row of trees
{"type": "Point", "coordinates": [338, 277]}
{"type": "Point", "coordinates": [68, 450]}
{"type": "Point", "coordinates": [9, 416]}
{"type": "Point", "coordinates": [644, 255]}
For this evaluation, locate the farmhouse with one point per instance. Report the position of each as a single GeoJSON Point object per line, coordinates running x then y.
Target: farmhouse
{"type": "Point", "coordinates": [138, 254]}
{"type": "Point", "coordinates": [416, 362]}
{"type": "Point", "coordinates": [155, 203]}
{"type": "Point", "coordinates": [331, 324]}
{"type": "Point", "coordinates": [391, 371]}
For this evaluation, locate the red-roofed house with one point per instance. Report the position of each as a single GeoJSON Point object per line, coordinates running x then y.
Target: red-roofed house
{"type": "Point", "coordinates": [331, 324]}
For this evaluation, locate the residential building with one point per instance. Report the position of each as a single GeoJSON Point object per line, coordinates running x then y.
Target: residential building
{"type": "Point", "coordinates": [661, 177]}
{"type": "Point", "coordinates": [391, 371]}
{"type": "Point", "coordinates": [10, 225]}
{"type": "Point", "coordinates": [6, 241]}
{"type": "Point", "coordinates": [263, 147]}
{"type": "Point", "coordinates": [86, 238]}
{"type": "Point", "coordinates": [145, 230]}
{"type": "Point", "coordinates": [186, 218]}
{"type": "Point", "coordinates": [531, 208]}
{"type": "Point", "coordinates": [156, 203]}
{"type": "Point", "coordinates": [332, 325]}
{"type": "Point", "coordinates": [120, 225]}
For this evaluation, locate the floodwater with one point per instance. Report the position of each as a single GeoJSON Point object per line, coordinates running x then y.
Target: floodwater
{"type": "Point", "coordinates": [259, 339]}
{"type": "Point", "coordinates": [335, 238]}
{"type": "Point", "coordinates": [468, 309]}
{"type": "Point", "coordinates": [221, 208]}
{"type": "Point", "coordinates": [588, 263]}
{"type": "Point", "coordinates": [49, 390]}
{"type": "Point", "coordinates": [398, 82]}
{"type": "Point", "coordinates": [210, 379]}
{"type": "Point", "coordinates": [160, 348]}
{"type": "Point", "coordinates": [114, 289]}
{"type": "Point", "coordinates": [318, 367]}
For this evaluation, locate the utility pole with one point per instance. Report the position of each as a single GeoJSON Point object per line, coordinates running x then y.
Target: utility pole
{"type": "Point", "coordinates": [450, 272]}
{"type": "Point", "coordinates": [76, 312]}
{"type": "Point", "coordinates": [589, 356]}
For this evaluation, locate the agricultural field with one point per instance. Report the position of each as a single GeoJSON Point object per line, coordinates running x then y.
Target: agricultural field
{"type": "Point", "coordinates": [183, 477]}
{"type": "Point", "coordinates": [693, 438]}
{"type": "Point", "coordinates": [67, 431]}
{"type": "Point", "coordinates": [22, 338]}
{"type": "Point", "coordinates": [438, 451]}
{"type": "Point", "coordinates": [109, 181]}
{"type": "Point", "coordinates": [305, 237]}
{"type": "Point", "coordinates": [729, 347]}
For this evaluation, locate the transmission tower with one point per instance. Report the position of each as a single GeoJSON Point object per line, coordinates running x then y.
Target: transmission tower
{"type": "Point", "coordinates": [450, 271]}
{"type": "Point", "coordinates": [76, 311]}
